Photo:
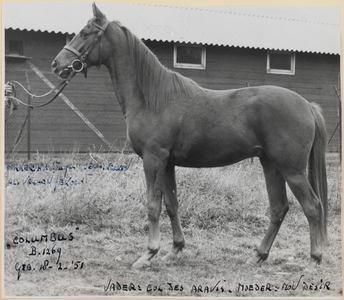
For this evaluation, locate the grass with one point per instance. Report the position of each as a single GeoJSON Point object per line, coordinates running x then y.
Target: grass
{"type": "Point", "coordinates": [224, 214]}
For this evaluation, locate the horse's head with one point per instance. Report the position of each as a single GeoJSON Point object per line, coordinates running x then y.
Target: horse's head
{"type": "Point", "coordinates": [84, 50]}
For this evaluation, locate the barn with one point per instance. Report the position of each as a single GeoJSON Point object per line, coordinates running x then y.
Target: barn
{"type": "Point", "coordinates": [218, 47]}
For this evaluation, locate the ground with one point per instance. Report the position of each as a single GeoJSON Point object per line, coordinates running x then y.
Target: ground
{"type": "Point", "coordinates": [75, 223]}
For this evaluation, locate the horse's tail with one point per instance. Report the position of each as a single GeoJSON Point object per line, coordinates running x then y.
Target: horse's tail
{"type": "Point", "coordinates": [317, 167]}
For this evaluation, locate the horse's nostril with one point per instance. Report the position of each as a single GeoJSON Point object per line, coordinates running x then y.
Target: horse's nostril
{"type": "Point", "coordinates": [54, 65]}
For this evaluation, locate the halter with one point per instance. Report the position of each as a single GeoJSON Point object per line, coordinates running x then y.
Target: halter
{"type": "Point", "coordinates": [79, 65]}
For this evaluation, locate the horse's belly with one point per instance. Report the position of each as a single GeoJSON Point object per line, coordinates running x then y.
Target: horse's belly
{"type": "Point", "coordinates": [206, 162]}
{"type": "Point", "coordinates": [215, 155]}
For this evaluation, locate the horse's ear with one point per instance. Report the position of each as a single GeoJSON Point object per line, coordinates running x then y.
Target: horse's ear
{"type": "Point", "coordinates": [97, 13]}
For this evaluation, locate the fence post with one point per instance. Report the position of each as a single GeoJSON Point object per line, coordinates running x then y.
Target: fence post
{"type": "Point", "coordinates": [28, 117]}
{"type": "Point", "coordinates": [339, 123]}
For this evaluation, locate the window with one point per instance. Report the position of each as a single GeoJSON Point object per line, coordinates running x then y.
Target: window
{"type": "Point", "coordinates": [281, 62]}
{"type": "Point", "coordinates": [16, 48]}
{"type": "Point", "coordinates": [189, 56]}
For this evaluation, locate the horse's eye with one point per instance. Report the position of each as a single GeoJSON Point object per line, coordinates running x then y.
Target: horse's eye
{"type": "Point", "coordinates": [84, 35]}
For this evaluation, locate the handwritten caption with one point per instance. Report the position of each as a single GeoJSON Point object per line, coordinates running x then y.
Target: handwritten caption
{"type": "Point", "coordinates": [51, 255]}
{"type": "Point", "coordinates": [59, 174]}
{"type": "Point", "coordinates": [45, 252]}
{"type": "Point", "coordinates": [219, 287]}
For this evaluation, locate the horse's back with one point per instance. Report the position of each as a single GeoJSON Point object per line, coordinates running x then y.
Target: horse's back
{"type": "Point", "coordinates": [223, 127]}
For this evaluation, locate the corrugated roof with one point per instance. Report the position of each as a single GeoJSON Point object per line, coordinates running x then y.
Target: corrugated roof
{"type": "Point", "coordinates": [306, 29]}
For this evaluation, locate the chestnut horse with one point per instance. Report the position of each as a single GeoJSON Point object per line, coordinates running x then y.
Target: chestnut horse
{"type": "Point", "coordinates": [171, 121]}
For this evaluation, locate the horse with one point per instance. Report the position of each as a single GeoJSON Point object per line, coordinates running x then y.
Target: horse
{"type": "Point", "coordinates": [172, 121]}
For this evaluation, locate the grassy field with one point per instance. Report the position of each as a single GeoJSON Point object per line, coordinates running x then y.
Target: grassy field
{"type": "Point", "coordinates": [75, 231]}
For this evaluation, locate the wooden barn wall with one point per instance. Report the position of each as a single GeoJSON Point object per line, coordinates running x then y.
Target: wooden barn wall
{"type": "Point", "coordinates": [57, 127]}
{"type": "Point", "coordinates": [229, 67]}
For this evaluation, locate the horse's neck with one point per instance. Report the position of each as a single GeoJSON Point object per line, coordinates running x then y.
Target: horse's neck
{"type": "Point", "coordinates": [141, 81]}
{"type": "Point", "coordinates": [123, 79]}
{"type": "Point", "coordinates": [124, 87]}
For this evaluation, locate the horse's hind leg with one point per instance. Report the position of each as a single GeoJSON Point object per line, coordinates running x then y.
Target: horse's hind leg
{"type": "Point", "coordinates": [279, 206]}
{"type": "Point", "coordinates": [312, 207]}
{"type": "Point", "coordinates": [171, 203]}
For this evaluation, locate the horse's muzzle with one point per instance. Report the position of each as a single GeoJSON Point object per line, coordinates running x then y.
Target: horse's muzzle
{"type": "Point", "coordinates": [55, 67]}
{"type": "Point", "coordinates": [65, 73]}
{"type": "Point", "coordinates": [76, 66]}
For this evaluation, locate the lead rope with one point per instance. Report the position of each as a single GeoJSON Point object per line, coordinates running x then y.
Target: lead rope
{"type": "Point", "coordinates": [10, 93]}
{"type": "Point", "coordinates": [10, 98]}
{"type": "Point", "coordinates": [11, 101]}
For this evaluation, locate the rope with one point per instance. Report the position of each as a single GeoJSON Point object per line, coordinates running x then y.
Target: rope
{"type": "Point", "coordinates": [9, 98]}
{"type": "Point", "coordinates": [10, 93]}
{"type": "Point", "coordinates": [19, 101]}
{"type": "Point", "coordinates": [30, 94]}
{"type": "Point", "coordinates": [12, 108]}
{"type": "Point", "coordinates": [18, 136]}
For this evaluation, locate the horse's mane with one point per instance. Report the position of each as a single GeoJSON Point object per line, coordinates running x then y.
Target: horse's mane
{"type": "Point", "coordinates": [158, 84]}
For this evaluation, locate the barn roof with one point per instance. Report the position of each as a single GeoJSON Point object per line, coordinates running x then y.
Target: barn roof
{"type": "Point", "coordinates": [305, 29]}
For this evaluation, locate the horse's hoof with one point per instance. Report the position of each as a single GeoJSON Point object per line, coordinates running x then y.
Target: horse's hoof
{"type": "Point", "coordinates": [249, 263]}
{"type": "Point", "coordinates": [310, 271]}
{"type": "Point", "coordinates": [169, 257]}
{"type": "Point", "coordinates": [311, 268]}
{"type": "Point", "coordinates": [139, 264]}
{"type": "Point", "coordinates": [254, 262]}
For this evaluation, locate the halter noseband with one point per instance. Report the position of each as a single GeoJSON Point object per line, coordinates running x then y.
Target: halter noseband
{"type": "Point", "coordinates": [78, 65]}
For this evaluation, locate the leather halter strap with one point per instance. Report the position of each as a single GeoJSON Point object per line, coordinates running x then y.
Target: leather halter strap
{"type": "Point", "coordinates": [82, 55]}
{"type": "Point", "coordinates": [71, 49]}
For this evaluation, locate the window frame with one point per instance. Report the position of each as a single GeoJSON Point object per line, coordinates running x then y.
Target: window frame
{"type": "Point", "coordinates": [200, 66]}
{"type": "Point", "coordinates": [281, 71]}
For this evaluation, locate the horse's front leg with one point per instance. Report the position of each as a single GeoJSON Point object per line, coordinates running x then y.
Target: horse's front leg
{"type": "Point", "coordinates": [154, 173]}
{"type": "Point", "coordinates": [171, 203]}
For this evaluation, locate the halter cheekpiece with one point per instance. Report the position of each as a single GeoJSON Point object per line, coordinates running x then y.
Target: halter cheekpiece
{"type": "Point", "coordinates": [79, 65]}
